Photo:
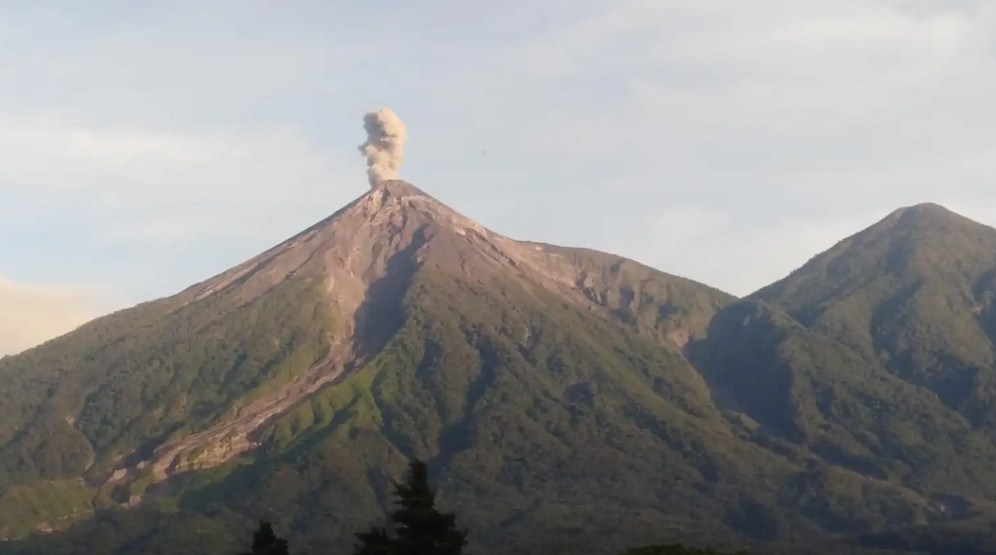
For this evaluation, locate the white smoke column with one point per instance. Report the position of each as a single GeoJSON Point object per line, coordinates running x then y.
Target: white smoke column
{"type": "Point", "coordinates": [384, 148]}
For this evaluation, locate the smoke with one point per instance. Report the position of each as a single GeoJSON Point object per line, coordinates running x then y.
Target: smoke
{"type": "Point", "coordinates": [384, 148]}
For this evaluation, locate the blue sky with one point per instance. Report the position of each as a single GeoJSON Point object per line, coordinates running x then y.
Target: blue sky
{"type": "Point", "coordinates": [146, 146]}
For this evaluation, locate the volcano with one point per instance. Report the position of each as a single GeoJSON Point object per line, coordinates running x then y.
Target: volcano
{"type": "Point", "coordinates": [565, 399]}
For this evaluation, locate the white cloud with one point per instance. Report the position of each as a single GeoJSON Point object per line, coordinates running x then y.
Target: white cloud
{"type": "Point", "coordinates": [170, 133]}
{"type": "Point", "coordinates": [741, 255]}
{"type": "Point", "coordinates": [814, 118]}
{"type": "Point", "coordinates": [162, 67]}
{"type": "Point", "coordinates": [824, 67]}
{"type": "Point", "coordinates": [155, 186]}
{"type": "Point", "coordinates": [764, 71]}
{"type": "Point", "coordinates": [31, 314]}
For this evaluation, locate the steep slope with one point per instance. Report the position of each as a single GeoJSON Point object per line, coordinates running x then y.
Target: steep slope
{"type": "Point", "coordinates": [914, 293]}
{"type": "Point", "coordinates": [811, 393]}
{"type": "Point", "coordinates": [193, 380]}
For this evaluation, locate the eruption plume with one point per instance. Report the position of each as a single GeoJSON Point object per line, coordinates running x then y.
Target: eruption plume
{"type": "Point", "coordinates": [384, 148]}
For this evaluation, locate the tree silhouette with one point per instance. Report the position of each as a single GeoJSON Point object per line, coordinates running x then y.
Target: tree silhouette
{"type": "Point", "coordinates": [419, 527]}
{"type": "Point", "coordinates": [374, 542]}
{"type": "Point", "coordinates": [265, 542]}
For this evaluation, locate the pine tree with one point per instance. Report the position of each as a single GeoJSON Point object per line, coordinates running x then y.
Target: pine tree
{"type": "Point", "coordinates": [420, 528]}
{"type": "Point", "coordinates": [374, 542]}
{"type": "Point", "coordinates": [265, 542]}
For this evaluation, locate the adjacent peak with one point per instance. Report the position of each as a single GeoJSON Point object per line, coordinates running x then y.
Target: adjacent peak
{"type": "Point", "coordinates": [914, 244]}
{"type": "Point", "coordinates": [925, 216]}
{"type": "Point", "coordinates": [925, 208]}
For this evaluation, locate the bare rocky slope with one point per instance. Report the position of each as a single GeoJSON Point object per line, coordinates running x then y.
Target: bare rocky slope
{"type": "Point", "coordinates": [564, 398]}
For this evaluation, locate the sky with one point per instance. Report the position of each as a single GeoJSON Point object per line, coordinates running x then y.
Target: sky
{"type": "Point", "coordinates": [146, 146]}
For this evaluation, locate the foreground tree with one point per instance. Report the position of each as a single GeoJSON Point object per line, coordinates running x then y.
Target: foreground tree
{"type": "Point", "coordinates": [374, 542]}
{"type": "Point", "coordinates": [265, 542]}
{"type": "Point", "coordinates": [419, 527]}
{"type": "Point", "coordinates": [673, 549]}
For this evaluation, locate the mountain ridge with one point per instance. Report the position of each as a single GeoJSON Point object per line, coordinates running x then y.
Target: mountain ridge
{"type": "Point", "coordinates": [531, 375]}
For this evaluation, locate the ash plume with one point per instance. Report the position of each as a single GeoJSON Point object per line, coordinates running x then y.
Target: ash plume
{"type": "Point", "coordinates": [384, 148]}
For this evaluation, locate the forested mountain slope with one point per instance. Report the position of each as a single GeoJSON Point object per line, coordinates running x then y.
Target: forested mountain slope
{"type": "Point", "coordinates": [564, 398]}
{"type": "Point", "coordinates": [914, 293]}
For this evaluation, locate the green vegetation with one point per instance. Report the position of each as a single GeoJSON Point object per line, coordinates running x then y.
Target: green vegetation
{"type": "Point", "coordinates": [125, 383]}
{"type": "Point", "coordinates": [914, 295]}
{"type": "Point", "coordinates": [45, 505]}
{"type": "Point", "coordinates": [573, 428]}
{"type": "Point", "coordinates": [846, 409]}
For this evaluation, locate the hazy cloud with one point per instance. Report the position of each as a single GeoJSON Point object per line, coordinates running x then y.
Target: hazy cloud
{"type": "Point", "coordinates": [773, 126]}
{"type": "Point", "coordinates": [33, 313]}
{"type": "Point", "coordinates": [159, 186]}
{"type": "Point", "coordinates": [712, 247]}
